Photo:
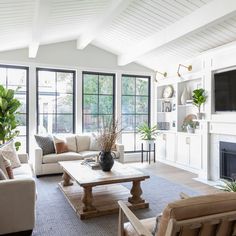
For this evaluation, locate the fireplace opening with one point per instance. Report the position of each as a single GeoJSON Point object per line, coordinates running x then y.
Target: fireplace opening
{"type": "Point", "coordinates": [228, 160]}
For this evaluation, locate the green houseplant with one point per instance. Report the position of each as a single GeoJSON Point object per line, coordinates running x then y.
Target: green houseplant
{"type": "Point", "coordinates": [229, 186]}
{"type": "Point", "coordinates": [148, 134]}
{"type": "Point", "coordinates": [199, 98]}
{"type": "Point", "coordinates": [8, 111]}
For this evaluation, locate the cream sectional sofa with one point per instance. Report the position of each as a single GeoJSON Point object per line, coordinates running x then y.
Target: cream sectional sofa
{"type": "Point", "coordinates": [79, 148]}
{"type": "Point", "coordinates": [17, 200]}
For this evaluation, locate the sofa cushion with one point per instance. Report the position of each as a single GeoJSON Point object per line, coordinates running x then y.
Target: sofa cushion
{"type": "Point", "coordinates": [86, 154]}
{"type": "Point", "coordinates": [66, 156]}
{"type": "Point", "coordinates": [9, 152]}
{"type": "Point", "coordinates": [60, 145]}
{"type": "Point", "coordinates": [196, 207]}
{"type": "Point", "coordinates": [45, 143]}
{"type": "Point", "coordinates": [83, 142]}
{"type": "Point", "coordinates": [147, 223]}
{"type": "Point", "coordinates": [24, 170]}
{"type": "Point", "coordinates": [94, 146]}
{"type": "Point", "coordinates": [71, 143]}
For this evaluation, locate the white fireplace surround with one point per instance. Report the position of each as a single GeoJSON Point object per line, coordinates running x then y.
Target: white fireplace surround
{"type": "Point", "coordinates": [214, 160]}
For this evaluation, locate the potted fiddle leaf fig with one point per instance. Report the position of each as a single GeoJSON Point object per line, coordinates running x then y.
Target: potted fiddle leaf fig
{"type": "Point", "coordinates": [148, 135]}
{"type": "Point", "coordinates": [199, 98]}
{"type": "Point", "coordinates": [8, 120]}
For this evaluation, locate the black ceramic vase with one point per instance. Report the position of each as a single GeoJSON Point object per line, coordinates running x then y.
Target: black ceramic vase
{"type": "Point", "coordinates": [106, 160]}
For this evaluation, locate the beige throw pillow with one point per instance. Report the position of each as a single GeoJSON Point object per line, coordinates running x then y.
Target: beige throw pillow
{"type": "Point", "coordinates": [2, 175]}
{"type": "Point", "coordinates": [60, 145]}
{"type": "Point", "coordinates": [9, 152]}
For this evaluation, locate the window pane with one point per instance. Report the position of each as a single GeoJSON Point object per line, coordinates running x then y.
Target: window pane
{"type": "Point", "coordinates": [90, 123]}
{"type": "Point", "coordinates": [141, 119]}
{"type": "Point", "coordinates": [104, 120]}
{"type": "Point", "coordinates": [142, 105]}
{"type": "Point", "coordinates": [16, 77]}
{"type": "Point", "coordinates": [128, 85]}
{"type": "Point", "coordinates": [22, 129]}
{"type": "Point", "coordinates": [64, 82]}
{"type": "Point", "coordinates": [90, 104]}
{"type": "Point", "coordinates": [55, 101]}
{"type": "Point", "coordinates": [64, 124]}
{"type": "Point", "coordinates": [128, 104]}
{"type": "Point", "coordinates": [46, 123]}
{"type": "Point", "coordinates": [3, 76]}
{"type": "Point", "coordinates": [46, 103]}
{"type": "Point", "coordinates": [141, 86]}
{"type": "Point", "coordinates": [46, 81]}
{"type": "Point", "coordinates": [105, 104]}
{"type": "Point", "coordinates": [90, 83]}
{"type": "Point", "coordinates": [128, 122]}
{"type": "Point", "coordinates": [65, 103]}
{"type": "Point", "coordinates": [22, 140]}
{"type": "Point", "coordinates": [105, 84]}
{"type": "Point", "coordinates": [22, 99]}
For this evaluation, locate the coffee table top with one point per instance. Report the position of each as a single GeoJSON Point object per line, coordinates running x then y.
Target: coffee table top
{"type": "Point", "coordinates": [86, 176]}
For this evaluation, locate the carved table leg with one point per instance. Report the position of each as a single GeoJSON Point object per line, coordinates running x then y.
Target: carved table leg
{"type": "Point", "coordinates": [87, 200]}
{"type": "Point", "coordinates": [136, 192]}
{"type": "Point", "coordinates": [66, 180]}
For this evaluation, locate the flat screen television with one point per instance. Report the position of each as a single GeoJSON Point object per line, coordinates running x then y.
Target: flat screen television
{"type": "Point", "coordinates": [225, 91]}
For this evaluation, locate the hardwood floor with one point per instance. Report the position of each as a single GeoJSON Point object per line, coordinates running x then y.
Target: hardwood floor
{"type": "Point", "coordinates": [176, 175]}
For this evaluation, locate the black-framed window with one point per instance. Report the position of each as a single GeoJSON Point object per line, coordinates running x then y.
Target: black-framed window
{"type": "Point", "coordinates": [55, 100]}
{"type": "Point", "coordinates": [98, 99]}
{"type": "Point", "coordinates": [13, 77]}
{"type": "Point", "coordinates": [135, 109]}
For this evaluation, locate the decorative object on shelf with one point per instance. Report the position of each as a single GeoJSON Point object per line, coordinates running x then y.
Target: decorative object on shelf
{"type": "Point", "coordinates": [174, 107]}
{"type": "Point", "coordinates": [168, 92]}
{"type": "Point", "coordinates": [187, 67]}
{"type": "Point", "coordinates": [166, 106]}
{"type": "Point", "coordinates": [163, 125]}
{"type": "Point", "coordinates": [106, 139]}
{"type": "Point", "coordinates": [199, 98]}
{"type": "Point", "coordinates": [8, 120]}
{"type": "Point", "coordinates": [184, 96]}
{"type": "Point", "coordinates": [148, 135]}
{"type": "Point", "coordinates": [160, 73]}
{"type": "Point", "coordinates": [188, 124]}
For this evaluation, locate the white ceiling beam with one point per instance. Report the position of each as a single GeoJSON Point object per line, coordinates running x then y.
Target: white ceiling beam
{"type": "Point", "coordinates": [115, 8]}
{"type": "Point", "coordinates": [208, 14]}
{"type": "Point", "coordinates": [42, 9]}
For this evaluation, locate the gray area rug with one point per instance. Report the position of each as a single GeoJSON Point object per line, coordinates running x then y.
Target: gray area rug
{"type": "Point", "coordinates": [55, 217]}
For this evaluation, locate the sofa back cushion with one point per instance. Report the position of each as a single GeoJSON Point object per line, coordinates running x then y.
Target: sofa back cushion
{"type": "Point", "coordinates": [196, 207]}
{"type": "Point", "coordinates": [71, 143]}
{"type": "Point", "coordinates": [83, 142]}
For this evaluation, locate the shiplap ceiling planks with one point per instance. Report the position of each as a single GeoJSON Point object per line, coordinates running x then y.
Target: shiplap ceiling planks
{"type": "Point", "coordinates": [116, 26]}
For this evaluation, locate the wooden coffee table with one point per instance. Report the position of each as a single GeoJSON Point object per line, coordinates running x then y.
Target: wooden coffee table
{"type": "Point", "coordinates": [100, 190]}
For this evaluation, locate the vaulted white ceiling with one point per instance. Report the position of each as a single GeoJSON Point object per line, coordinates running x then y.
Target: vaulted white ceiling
{"type": "Point", "coordinates": [149, 32]}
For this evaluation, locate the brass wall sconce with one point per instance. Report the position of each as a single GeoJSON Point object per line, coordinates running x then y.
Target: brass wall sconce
{"type": "Point", "coordinates": [163, 74]}
{"type": "Point", "coordinates": [187, 67]}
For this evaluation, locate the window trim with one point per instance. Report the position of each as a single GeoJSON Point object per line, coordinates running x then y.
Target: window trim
{"type": "Point", "coordinates": [135, 95]}
{"type": "Point", "coordinates": [73, 93]}
{"type": "Point", "coordinates": [113, 93]}
{"type": "Point", "coordinates": [26, 68]}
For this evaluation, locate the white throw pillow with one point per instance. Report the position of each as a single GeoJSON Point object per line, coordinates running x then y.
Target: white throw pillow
{"type": "Point", "coordinates": [94, 146]}
{"type": "Point", "coordinates": [9, 152]}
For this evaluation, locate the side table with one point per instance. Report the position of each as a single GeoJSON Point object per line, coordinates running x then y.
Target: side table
{"type": "Point", "coordinates": [148, 153]}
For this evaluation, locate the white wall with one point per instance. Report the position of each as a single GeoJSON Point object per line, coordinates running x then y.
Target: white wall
{"type": "Point", "coordinates": [66, 56]}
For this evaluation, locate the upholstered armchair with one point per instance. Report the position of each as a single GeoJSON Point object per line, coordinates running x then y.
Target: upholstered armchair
{"type": "Point", "coordinates": [208, 215]}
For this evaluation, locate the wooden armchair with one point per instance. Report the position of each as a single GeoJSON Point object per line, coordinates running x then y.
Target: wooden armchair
{"type": "Point", "coordinates": [210, 215]}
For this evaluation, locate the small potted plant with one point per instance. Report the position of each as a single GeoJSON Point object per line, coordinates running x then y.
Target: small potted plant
{"type": "Point", "coordinates": [148, 135]}
{"type": "Point", "coordinates": [228, 186]}
{"type": "Point", "coordinates": [199, 98]}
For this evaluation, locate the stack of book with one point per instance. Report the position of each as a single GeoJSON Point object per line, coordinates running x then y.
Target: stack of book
{"type": "Point", "coordinates": [92, 164]}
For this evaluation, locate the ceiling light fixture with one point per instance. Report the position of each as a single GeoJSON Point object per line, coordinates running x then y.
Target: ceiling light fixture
{"type": "Point", "coordinates": [187, 67]}
{"type": "Point", "coordinates": [163, 74]}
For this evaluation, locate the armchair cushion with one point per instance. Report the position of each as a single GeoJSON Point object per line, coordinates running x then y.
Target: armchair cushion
{"type": "Point", "coordinates": [24, 171]}
{"type": "Point", "coordinates": [9, 152]}
{"type": "Point", "coordinates": [196, 207]}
